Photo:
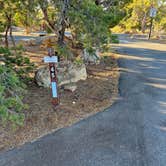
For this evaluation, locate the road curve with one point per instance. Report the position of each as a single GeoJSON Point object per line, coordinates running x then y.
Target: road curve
{"type": "Point", "coordinates": [130, 133]}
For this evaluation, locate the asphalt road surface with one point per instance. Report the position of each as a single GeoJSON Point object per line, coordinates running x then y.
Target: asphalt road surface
{"type": "Point", "coordinates": [130, 133]}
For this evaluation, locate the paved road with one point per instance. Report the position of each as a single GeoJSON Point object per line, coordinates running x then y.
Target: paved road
{"type": "Point", "coordinates": [131, 133]}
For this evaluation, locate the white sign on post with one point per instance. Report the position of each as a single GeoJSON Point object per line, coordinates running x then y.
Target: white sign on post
{"type": "Point", "coordinates": [52, 59]}
{"type": "Point", "coordinates": [153, 12]}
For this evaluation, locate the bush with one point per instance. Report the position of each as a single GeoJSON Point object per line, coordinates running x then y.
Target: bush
{"type": "Point", "coordinates": [78, 61]}
{"type": "Point", "coordinates": [114, 39]}
{"type": "Point", "coordinates": [14, 71]}
{"type": "Point", "coordinates": [14, 60]}
{"type": "Point", "coordinates": [64, 52]}
{"type": "Point", "coordinates": [11, 95]}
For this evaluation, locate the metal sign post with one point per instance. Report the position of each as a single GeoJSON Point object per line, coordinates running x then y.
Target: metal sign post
{"type": "Point", "coordinates": [153, 12]}
{"type": "Point", "coordinates": [52, 59]}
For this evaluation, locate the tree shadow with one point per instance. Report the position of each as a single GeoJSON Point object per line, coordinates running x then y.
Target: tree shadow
{"type": "Point", "coordinates": [143, 74]}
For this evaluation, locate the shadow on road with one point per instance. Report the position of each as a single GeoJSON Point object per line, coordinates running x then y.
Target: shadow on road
{"type": "Point", "coordinates": [147, 67]}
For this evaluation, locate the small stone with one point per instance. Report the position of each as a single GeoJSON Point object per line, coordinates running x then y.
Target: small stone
{"type": "Point", "coordinates": [70, 87]}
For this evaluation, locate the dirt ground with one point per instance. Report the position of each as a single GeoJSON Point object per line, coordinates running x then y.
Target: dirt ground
{"type": "Point", "coordinates": [95, 94]}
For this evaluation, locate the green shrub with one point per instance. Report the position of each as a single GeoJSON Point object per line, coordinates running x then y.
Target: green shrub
{"type": "Point", "coordinates": [14, 60]}
{"type": "Point", "coordinates": [78, 61]}
{"type": "Point", "coordinates": [11, 95]}
{"type": "Point", "coordinates": [114, 39]}
{"type": "Point", "coordinates": [14, 72]}
{"type": "Point", "coordinates": [64, 52]}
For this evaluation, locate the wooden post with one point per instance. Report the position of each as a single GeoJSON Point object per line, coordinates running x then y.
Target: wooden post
{"type": "Point", "coordinates": [53, 78]}
{"type": "Point", "coordinates": [151, 25]}
{"type": "Point", "coordinates": [153, 12]}
{"type": "Point", "coordinates": [52, 59]}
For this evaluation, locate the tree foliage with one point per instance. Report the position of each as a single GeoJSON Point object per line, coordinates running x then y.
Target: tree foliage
{"type": "Point", "coordinates": [89, 24]}
{"type": "Point", "coordinates": [138, 15]}
{"type": "Point", "coordinates": [11, 95]}
{"type": "Point", "coordinates": [14, 68]}
{"type": "Point", "coordinates": [25, 15]}
{"type": "Point", "coordinates": [17, 62]}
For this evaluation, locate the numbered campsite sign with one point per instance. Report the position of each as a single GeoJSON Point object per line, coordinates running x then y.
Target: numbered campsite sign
{"type": "Point", "coordinates": [52, 59]}
{"type": "Point", "coordinates": [153, 12]}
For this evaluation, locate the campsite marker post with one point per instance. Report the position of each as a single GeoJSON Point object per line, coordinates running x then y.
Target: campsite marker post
{"type": "Point", "coordinates": [52, 59]}
{"type": "Point", "coordinates": [153, 12]}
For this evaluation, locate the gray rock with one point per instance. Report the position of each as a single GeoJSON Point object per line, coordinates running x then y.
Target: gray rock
{"type": "Point", "coordinates": [42, 77]}
{"type": "Point", "coordinates": [67, 73]}
{"type": "Point", "coordinates": [70, 87]}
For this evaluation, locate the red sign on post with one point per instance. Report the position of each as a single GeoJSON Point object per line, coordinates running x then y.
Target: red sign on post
{"type": "Point", "coordinates": [52, 59]}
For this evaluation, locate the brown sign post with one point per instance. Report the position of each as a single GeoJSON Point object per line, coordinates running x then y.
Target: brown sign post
{"type": "Point", "coordinates": [52, 59]}
{"type": "Point", "coordinates": [153, 12]}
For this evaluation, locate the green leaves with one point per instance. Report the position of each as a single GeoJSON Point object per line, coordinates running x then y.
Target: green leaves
{"type": "Point", "coordinates": [16, 61]}
{"type": "Point", "coordinates": [11, 93]}
{"type": "Point", "coordinates": [90, 23]}
{"type": "Point", "coordinates": [138, 19]}
{"type": "Point", "coordinates": [12, 89]}
{"type": "Point", "coordinates": [64, 51]}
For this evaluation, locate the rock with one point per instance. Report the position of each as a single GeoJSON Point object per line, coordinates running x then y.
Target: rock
{"type": "Point", "coordinates": [70, 87]}
{"type": "Point", "coordinates": [71, 73]}
{"type": "Point", "coordinates": [74, 102]}
{"type": "Point", "coordinates": [67, 73]}
{"type": "Point", "coordinates": [2, 63]}
{"type": "Point", "coordinates": [42, 77]}
{"type": "Point", "coordinates": [91, 58]}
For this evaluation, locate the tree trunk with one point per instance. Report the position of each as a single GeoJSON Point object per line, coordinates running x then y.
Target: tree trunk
{"type": "Point", "coordinates": [27, 30]}
{"type": "Point", "coordinates": [63, 22]}
{"type": "Point", "coordinates": [9, 29]}
{"type": "Point", "coordinates": [6, 36]}
{"type": "Point", "coordinates": [11, 36]}
{"type": "Point", "coordinates": [143, 24]}
{"type": "Point", "coordinates": [97, 2]}
{"type": "Point", "coordinates": [61, 34]}
{"type": "Point", "coordinates": [50, 25]}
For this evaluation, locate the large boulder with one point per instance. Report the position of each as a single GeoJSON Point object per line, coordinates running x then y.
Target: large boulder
{"type": "Point", "coordinates": [67, 73]}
